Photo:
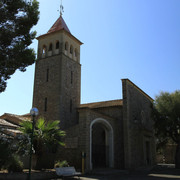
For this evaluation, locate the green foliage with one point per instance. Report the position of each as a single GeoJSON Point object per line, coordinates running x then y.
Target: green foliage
{"type": "Point", "coordinates": [17, 17]}
{"type": "Point", "coordinates": [5, 152]}
{"type": "Point", "coordinates": [166, 113]}
{"type": "Point", "coordinates": [23, 144]}
{"type": "Point", "coordinates": [61, 164]}
{"type": "Point", "coordinates": [47, 136]}
{"type": "Point", "coordinates": [167, 116]}
{"type": "Point", "coordinates": [8, 159]}
{"type": "Point", "coordinates": [14, 164]}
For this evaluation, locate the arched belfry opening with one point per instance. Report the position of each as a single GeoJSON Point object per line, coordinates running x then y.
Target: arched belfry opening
{"type": "Point", "coordinates": [101, 144]}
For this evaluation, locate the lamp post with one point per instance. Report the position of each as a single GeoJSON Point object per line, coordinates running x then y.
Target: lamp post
{"type": "Point", "coordinates": [34, 112]}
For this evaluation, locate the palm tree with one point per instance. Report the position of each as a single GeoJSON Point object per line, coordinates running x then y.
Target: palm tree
{"type": "Point", "coordinates": [47, 137]}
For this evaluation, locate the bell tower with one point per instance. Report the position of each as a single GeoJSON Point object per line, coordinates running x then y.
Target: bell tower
{"type": "Point", "coordinates": [58, 75]}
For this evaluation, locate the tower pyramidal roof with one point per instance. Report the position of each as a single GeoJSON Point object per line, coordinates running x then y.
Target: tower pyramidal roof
{"type": "Point", "coordinates": [59, 25]}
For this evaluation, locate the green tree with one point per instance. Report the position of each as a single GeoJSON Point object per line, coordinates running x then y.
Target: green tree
{"type": "Point", "coordinates": [167, 120]}
{"type": "Point", "coordinates": [5, 151]}
{"type": "Point", "coordinates": [47, 137]}
{"type": "Point", "coordinates": [8, 158]}
{"type": "Point", "coordinates": [17, 17]}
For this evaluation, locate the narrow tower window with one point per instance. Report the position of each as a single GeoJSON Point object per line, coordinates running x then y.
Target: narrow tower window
{"type": "Point", "coordinates": [44, 49]}
{"type": "Point", "coordinates": [50, 47]}
{"type": "Point", "coordinates": [75, 52]}
{"type": "Point", "coordinates": [45, 105]}
{"type": "Point", "coordinates": [71, 50]}
{"type": "Point", "coordinates": [71, 106]}
{"type": "Point", "coordinates": [57, 45]}
{"type": "Point", "coordinates": [71, 77]}
{"type": "Point", "coordinates": [66, 46]}
{"type": "Point", "coordinates": [47, 75]}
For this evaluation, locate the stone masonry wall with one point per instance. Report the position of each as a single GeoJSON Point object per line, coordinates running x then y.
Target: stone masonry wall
{"type": "Point", "coordinates": [116, 112]}
{"type": "Point", "coordinates": [57, 81]}
{"type": "Point", "coordinates": [78, 139]}
{"type": "Point", "coordinates": [138, 127]}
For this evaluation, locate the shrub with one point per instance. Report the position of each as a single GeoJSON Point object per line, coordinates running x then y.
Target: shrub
{"type": "Point", "coordinates": [15, 165]}
{"type": "Point", "coordinates": [4, 154]}
{"type": "Point", "coordinates": [5, 150]}
{"type": "Point", "coordinates": [61, 164]}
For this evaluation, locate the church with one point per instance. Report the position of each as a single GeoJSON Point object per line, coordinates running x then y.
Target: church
{"type": "Point", "coordinates": [110, 134]}
{"type": "Point", "coordinates": [115, 134]}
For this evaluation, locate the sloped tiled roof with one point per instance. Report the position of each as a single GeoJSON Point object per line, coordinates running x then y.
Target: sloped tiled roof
{"type": "Point", "coordinates": [101, 104]}
{"type": "Point", "coordinates": [59, 25]}
{"type": "Point", "coordinates": [6, 123]}
{"type": "Point", "coordinates": [12, 132]}
{"type": "Point", "coordinates": [9, 123]}
{"type": "Point", "coordinates": [15, 119]}
{"type": "Point", "coordinates": [26, 116]}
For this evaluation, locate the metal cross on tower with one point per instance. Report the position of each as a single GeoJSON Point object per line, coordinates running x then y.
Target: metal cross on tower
{"type": "Point", "coordinates": [61, 9]}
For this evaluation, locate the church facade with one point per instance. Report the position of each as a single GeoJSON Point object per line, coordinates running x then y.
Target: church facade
{"type": "Point", "coordinates": [113, 134]}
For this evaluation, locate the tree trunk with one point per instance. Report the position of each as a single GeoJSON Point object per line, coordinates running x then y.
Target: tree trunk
{"type": "Point", "coordinates": [177, 157]}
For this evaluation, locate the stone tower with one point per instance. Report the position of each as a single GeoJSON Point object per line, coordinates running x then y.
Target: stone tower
{"type": "Point", "coordinates": [58, 75]}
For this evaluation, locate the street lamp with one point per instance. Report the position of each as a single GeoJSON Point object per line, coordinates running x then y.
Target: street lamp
{"type": "Point", "coordinates": [34, 112]}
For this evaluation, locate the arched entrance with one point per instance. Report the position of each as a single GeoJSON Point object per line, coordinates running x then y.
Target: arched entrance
{"type": "Point", "coordinates": [101, 144]}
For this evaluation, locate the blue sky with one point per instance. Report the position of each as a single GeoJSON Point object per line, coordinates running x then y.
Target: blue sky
{"type": "Point", "coordinates": [135, 39]}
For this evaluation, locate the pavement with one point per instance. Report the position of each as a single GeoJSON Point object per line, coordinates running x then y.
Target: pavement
{"type": "Point", "coordinates": [160, 172]}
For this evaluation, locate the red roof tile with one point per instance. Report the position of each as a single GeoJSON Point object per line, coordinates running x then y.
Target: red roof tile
{"type": "Point", "coordinates": [59, 25]}
{"type": "Point", "coordinates": [15, 119]}
{"type": "Point", "coordinates": [118, 102]}
{"type": "Point", "coordinates": [7, 124]}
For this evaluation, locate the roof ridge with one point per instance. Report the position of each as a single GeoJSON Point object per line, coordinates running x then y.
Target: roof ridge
{"type": "Point", "coordinates": [103, 101]}
{"type": "Point", "coordinates": [117, 102]}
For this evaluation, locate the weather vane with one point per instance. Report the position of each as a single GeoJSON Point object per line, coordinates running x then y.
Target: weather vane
{"type": "Point", "coordinates": [61, 9]}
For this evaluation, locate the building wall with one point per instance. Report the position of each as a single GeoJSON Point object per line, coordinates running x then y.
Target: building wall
{"type": "Point", "coordinates": [78, 139]}
{"type": "Point", "coordinates": [72, 150]}
{"type": "Point", "coordinates": [116, 112]}
{"type": "Point", "coordinates": [57, 96]}
{"type": "Point", "coordinates": [57, 81]}
{"type": "Point", "coordinates": [63, 37]}
{"type": "Point", "coordinates": [139, 141]}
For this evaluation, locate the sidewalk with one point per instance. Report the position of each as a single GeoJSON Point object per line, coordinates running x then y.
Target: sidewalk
{"type": "Point", "coordinates": [157, 173]}
{"type": "Point", "coordinates": [35, 174]}
{"type": "Point", "coordinates": [160, 172]}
